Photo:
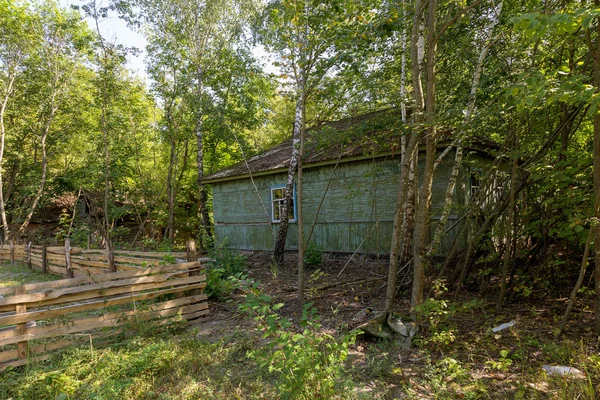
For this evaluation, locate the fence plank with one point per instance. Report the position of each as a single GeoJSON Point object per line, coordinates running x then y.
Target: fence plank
{"type": "Point", "coordinates": [29, 255]}
{"type": "Point", "coordinates": [97, 322]}
{"type": "Point", "coordinates": [96, 290]}
{"type": "Point", "coordinates": [68, 257]}
{"type": "Point", "coordinates": [28, 287]}
{"type": "Point", "coordinates": [52, 313]}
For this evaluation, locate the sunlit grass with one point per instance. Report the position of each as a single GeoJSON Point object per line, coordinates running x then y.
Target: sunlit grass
{"type": "Point", "coordinates": [18, 273]}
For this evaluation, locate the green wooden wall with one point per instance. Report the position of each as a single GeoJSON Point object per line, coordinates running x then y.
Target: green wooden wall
{"type": "Point", "coordinates": [357, 212]}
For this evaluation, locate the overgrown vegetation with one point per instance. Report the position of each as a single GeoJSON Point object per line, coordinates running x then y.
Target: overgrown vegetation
{"type": "Point", "coordinates": [266, 353]}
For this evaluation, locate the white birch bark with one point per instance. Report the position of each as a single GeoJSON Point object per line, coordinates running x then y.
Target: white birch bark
{"type": "Point", "coordinates": [289, 186]}
{"type": "Point", "coordinates": [458, 157]}
{"type": "Point", "coordinates": [397, 237]}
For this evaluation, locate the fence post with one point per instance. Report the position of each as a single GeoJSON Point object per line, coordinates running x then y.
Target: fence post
{"type": "Point", "coordinates": [12, 251]}
{"type": "Point", "coordinates": [44, 258]}
{"type": "Point", "coordinates": [191, 256]}
{"type": "Point", "coordinates": [21, 328]}
{"type": "Point", "coordinates": [29, 255]}
{"type": "Point", "coordinates": [68, 257]}
{"type": "Point", "coordinates": [191, 250]}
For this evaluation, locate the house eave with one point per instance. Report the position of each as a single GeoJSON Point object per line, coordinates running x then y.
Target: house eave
{"type": "Point", "coordinates": [329, 162]}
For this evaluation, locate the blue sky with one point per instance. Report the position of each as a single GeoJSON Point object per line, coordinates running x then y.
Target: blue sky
{"type": "Point", "coordinates": [116, 30]}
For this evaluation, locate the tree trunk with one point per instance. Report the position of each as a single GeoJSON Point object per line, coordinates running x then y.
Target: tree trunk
{"type": "Point", "coordinates": [41, 185]}
{"type": "Point", "coordinates": [424, 203]}
{"type": "Point", "coordinates": [594, 49]}
{"type": "Point", "coordinates": [279, 249]}
{"type": "Point", "coordinates": [508, 250]}
{"type": "Point", "coordinates": [106, 220]}
{"type": "Point", "coordinates": [170, 186]}
{"type": "Point", "coordinates": [5, 229]}
{"type": "Point", "coordinates": [205, 228]}
{"type": "Point", "coordinates": [300, 219]}
{"type": "Point", "coordinates": [397, 243]}
{"type": "Point", "coordinates": [458, 157]}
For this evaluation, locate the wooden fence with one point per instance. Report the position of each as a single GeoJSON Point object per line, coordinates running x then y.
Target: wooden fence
{"type": "Point", "coordinates": [74, 261]}
{"type": "Point", "coordinates": [38, 318]}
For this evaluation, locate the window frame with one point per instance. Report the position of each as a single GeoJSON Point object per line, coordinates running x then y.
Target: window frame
{"type": "Point", "coordinates": [282, 186]}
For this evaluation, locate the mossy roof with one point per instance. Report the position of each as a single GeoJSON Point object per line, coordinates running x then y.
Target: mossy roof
{"type": "Point", "coordinates": [373, 134]}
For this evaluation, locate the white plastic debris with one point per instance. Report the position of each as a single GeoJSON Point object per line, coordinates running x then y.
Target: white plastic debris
{"type": "Point", "coordinates": [504, 326]}
{"type": "Point", "coordinates": [563, 371]}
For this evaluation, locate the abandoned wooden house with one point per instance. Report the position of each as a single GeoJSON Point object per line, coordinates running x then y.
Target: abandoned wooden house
{"type": "Point", "coordinates": [350, 184]}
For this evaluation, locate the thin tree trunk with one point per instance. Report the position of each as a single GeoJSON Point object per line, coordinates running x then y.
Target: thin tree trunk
{"type": "Point", "coordinates": [279, 249]}
{"type": "Point", "coordinates": [5, 228]}
{"type": "Point", "coordinates": [456, 167]}
{"type": "Point", "coordinates": [300, 219]}
{"type": "Point", "coordinates": [584, 262]}
{"type": "Point", "coordinates": [594, 49]}
{"type": "Point", "coordinates": [510, 224]}
{"type": "Point", "coordinates": [409, 154]}
{"type": "Point", "coordinates": [108, 246]}
{"type": "Point", "coordinates": [170, 185]}
{"type": "Point", "coordinates": [424, 204]}
{"type": "Point", "coordinates": [41, 185]}
{"type": "Point", "coordinates": [205, 229]}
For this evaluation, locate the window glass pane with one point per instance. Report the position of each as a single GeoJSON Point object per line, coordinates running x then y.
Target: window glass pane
{"type": "Point", "coordinates": [278, 194]}
{"type": "Point", "coordinates": [276, 212]}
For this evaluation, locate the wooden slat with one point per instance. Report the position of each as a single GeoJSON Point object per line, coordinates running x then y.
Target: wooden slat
{"type": "Point", "coordinates": [55, 312]}
{"type": "Point", "coordinates": [184, 284]}
{"type": "Point", "coordinates": [92, 323]}
{"type": "Point", "coordinates": [195, 314]}
{"type": "Point", "coordinates": [25, 361]}
{"type": "Point", "coordinates": [10, 355]}
{"type": "Point", "coordinates": [94, 290]}
{"type": "Point", "coordinates": [28, 287]}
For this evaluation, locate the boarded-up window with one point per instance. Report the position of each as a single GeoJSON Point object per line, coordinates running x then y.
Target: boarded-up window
{"type": "Point", "coordinates": [277, 203]}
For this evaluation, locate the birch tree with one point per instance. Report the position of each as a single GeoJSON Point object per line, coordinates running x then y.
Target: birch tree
{"type": "Point", "coordinates": [17, 41]}
{"type": "Point", "coordinates": [63, 39]}
{"type": "Point", "coordinates": [197, 34]}
{"type": "Point", "coordinates": [309, 39]}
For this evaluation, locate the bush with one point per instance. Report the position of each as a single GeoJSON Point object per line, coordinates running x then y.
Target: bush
{"type": "Point", "coordinates": [308, 364]}
{"type": "Point", "coordinates": [313, 256]}
{"type": "Point", "coordinates": [228, 264]}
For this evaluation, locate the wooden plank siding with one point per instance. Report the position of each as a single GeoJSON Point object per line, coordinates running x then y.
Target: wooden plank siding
{"type": "Point", "coordinates": [357, 212]}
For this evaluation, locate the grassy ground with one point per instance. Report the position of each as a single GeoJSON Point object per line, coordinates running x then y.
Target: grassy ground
{"type": "Point", "coordinates": [235, 356]}
{"type": "Point", "coordinates": [18, 273]}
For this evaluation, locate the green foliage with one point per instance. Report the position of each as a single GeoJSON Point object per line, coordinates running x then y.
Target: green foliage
{"type": "Point", "coordinates": [228, 264]}
{"type": "Point", "coordinates": [308, 363]}
{"type": "Point", "coordinates": [313, 255]}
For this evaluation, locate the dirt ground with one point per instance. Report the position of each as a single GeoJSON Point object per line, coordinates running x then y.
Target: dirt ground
{"type": "Point", "coordinates": [507, 364]}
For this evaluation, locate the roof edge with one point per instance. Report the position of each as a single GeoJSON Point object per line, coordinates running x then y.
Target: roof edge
{"type": "Point", "coordinates": [333, 162]}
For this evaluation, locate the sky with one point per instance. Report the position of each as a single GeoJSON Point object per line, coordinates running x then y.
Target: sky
{"type": "Point", "coordinates": [115, 30]}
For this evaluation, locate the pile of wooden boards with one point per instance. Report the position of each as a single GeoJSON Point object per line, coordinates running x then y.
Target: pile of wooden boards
{"type": "Point", "coordinates": [37, 318]}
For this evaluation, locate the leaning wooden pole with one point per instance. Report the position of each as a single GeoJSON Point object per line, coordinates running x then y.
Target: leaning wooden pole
{"type": "Point", "coordinates": [584, 263]}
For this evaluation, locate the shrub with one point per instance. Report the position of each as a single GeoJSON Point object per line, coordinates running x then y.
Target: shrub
{"type": "Point", "coordinates": [308, 364]}
{"type": "Point", "coordinates": [313, 256]}
{"type": "Point", "coordinates": [228, 263]}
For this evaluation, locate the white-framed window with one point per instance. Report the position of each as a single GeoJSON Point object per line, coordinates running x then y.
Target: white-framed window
{"type": "Point", "coordinates": [278, 201]}
{"type": "Point", "coordinates": [475, 181]}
